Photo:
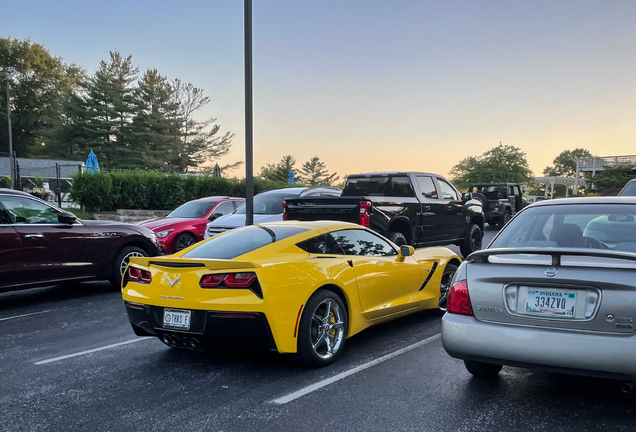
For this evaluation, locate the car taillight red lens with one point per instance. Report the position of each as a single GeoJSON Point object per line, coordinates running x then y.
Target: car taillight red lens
{"type": "Point", "coordinates": [138, 275]}
{"type": "Point", "coordinates": [365, 214]}
{"type": "Point", "coordinates": [284, 211]}
{"type": "Point", "coordinates": [239, 280]}
{"type": "Point", "coordinates": [231, 280]}
{"type": "Point", "coordinates": [212, 280]}
{"type": "Point", "coordinates": [458, 301]}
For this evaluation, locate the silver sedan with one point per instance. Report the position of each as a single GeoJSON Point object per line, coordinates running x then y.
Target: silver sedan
{"type": "Point", "coordinates": [555, 290]}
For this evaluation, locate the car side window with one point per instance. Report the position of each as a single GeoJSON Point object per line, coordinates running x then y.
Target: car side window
{"type": "Point", "coordinates": [4, 216]}
{"type": "Point", "coordinates": [363, 243]}
{"type": "Point", "coordinates": [427, 187]}
{"type": "Point", "coordinates": [448, 193]}
{"type": "Point", "coordinates": [237, 203]}
{"type": "Point", "coordinates": [323, 244]}
{"type": "Point", "coordinates": [224, 208]}
{"type": "Point", "coordinates": [27, 211]}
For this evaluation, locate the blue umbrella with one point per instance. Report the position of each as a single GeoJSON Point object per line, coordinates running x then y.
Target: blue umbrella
{"type": "Point", "coordinates": [92, 166]}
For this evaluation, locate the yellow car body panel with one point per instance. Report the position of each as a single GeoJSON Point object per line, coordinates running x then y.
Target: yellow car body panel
{"type": "Point", "coordinates": [376, 289]}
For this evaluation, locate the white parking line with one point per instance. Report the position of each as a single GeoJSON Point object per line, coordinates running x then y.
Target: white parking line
{"type": "Point", "coordinates": [64, 357]}
{"type": "Point", "coordinates": [302, 392]}
{"type": "Point", "coordinates": [25, 315]}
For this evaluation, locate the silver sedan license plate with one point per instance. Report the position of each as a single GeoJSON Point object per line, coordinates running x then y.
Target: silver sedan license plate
{"type": "Point", "coordinates": [177, 319]}
{"type": "Point", "coordinates": [550, 302]}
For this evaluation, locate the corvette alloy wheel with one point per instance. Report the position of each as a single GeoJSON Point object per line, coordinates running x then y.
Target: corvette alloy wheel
{"type": "Point", "coordinates": [327, 328]}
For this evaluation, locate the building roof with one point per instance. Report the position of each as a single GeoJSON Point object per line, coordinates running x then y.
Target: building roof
{"type": "Point", "coordinates": [42, 167]}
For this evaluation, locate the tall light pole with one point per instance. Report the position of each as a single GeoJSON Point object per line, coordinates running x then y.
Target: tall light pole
{"type": "Point", "coordinates": [11, 162]}
{"type": "Point", "coordinates": [249, 130]}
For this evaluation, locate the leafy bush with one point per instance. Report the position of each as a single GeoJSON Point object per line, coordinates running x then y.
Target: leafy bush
{"type": "Point", "coordinates": [5, 182]}
{"type": "Point", "coordinates": [147, 190]}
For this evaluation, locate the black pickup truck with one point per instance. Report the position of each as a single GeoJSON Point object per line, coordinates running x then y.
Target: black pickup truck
{"type": "Point", "coordinates": [415, 208]}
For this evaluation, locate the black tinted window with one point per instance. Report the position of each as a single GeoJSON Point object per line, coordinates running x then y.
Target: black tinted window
{"type": "Point", "coordinates": [629, 189]}
{"type": "Point", "coordinates": [241, 241]}
{"type": "Point", "coordinates": [323, 244]}
{"type": "Point", "coordinates": [395, 186]}
{"type": "Point", "coordinates": [362, 242]}
{"type": "Point", "coordinates": [427, 187]}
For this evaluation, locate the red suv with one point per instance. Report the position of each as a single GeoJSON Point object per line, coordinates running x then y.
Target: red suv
{"type": "Point", "coordinates": [185, 225]}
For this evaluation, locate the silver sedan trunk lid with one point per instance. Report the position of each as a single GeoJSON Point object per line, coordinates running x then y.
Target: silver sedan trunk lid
{"type": "Point", "coordinates": [579, 290]}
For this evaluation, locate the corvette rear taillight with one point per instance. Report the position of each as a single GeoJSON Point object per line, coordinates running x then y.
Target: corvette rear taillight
{"type": "Point", "coordinates": [365, 213]}
{"type": "Point", "coordinates": [284, 211]}
{"type": "Point", "coordinates": [212, 280]}
{"type": "Point", "coordinates": [228, 280]}
{"type": "Point", "coordinates": [458, 299]}
{"type": "Point", "coordinates": [138, 275]}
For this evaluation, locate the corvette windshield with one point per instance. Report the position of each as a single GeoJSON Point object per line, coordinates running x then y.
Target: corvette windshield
{"type": "Point", "coordinates": [597, 226]}
{"type": "Point", "coordinates": [241, 241]}
{"type": "Point", "coordinates": [268, 203]}
{"type": "Point", "coordinates": [192, 210]}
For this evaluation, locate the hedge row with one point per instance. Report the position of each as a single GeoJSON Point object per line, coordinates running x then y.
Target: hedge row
{"type": "Point", "coordinates": [153, 191]}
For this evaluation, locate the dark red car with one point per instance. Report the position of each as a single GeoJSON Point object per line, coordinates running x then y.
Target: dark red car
{"type": "Point", "coordinates": [185, 225]}
{"type": "Point", "coordinates": [42, 245]}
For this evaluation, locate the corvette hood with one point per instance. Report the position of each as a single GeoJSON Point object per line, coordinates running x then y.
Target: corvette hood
{"type": "Point", "coordinates": [163, 224]}
{"type": "Point", "coordinates": [238, 220]}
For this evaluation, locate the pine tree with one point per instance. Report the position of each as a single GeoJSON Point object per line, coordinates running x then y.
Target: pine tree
{"type": "Point", "coordinates": [279, 172]}
{"type": "Point", "coordinates": [314, 173]}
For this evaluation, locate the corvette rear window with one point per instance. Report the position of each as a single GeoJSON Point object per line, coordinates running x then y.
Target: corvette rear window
{"type": "Point", "coordinates": [241, 241]}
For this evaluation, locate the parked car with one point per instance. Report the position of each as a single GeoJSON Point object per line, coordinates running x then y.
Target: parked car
{"type": "Point", "coordinates": [263, 284]}
{"type": "Point", "coordinates": [499, 201]}
{"type": "Point", "coordinates": [554, 291]}
{"type": "Point", "coordinates": [629, 189]}
{"type": "Point", "coordinates": [268, 207]}
{"type": "Point", "coordinates": [41, 244]}
{"type": "Point", "coordinates": [409, 208]}
{"type": "Point", "coordinates": [185, 225]}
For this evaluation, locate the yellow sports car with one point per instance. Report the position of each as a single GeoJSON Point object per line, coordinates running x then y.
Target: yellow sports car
{"type": "Point", "coordinates": [300, 288]}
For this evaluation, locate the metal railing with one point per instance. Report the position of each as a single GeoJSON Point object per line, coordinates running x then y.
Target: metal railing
{"type": "Point", "coordinates": [598, 162]}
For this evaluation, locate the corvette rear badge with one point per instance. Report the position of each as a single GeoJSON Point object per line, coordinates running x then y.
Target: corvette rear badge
{"type": "Point", "coordinates": [173, 282]}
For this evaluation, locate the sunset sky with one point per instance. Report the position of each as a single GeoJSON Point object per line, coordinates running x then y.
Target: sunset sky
{"type": "Point", "coordinates": [376, 85]}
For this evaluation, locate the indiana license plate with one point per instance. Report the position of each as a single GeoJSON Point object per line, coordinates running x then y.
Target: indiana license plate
{"type": "Point", "coordinates": [549, 302]}
{"type": "Point", "coordinates": [177, 319]}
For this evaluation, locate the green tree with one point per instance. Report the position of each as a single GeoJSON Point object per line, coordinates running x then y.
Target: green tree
{"type": "Point", "coordinates": [196, 141]}
{"type": "Point", "coordinates": [38, 86]}
{"type": "Point", "coordinates": [612, 179]}
{"type": "Point", "coordinates": [314, 173]}
{"type": "Point", "coordinates": [279, 172]}
{"type": "Point", "coordinates": [503, 163]}
{"type": "Point", "coordinates": [565, 163]}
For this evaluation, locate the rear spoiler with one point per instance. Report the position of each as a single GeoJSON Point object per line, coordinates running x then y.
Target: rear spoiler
{"type": "Point", "coordinates": [556, 254]}
{"type": "Point", "coordinates": [211, 264]}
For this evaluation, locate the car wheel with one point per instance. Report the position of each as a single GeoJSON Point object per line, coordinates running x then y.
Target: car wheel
{"type": "Point", "coordinates": [481, 369]}
{"type": "Point", "coordinates": [472, 242]}
{"type": "Point", "coordinates": [322, 330]}
{"type": "Point", "coordinates": [398, 238]}
{"type": "Point", "coordinates": [121, 262]}
{"type": "Point", "coordinates": [503, 219]}
{"type": "Point", "coordinates": [183, 241]}
{"type": "Point", "coordinates": [444, 286]}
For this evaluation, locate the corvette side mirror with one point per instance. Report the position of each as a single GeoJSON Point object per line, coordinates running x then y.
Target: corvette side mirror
{"type": "Point", "coordinates": [405, 251]}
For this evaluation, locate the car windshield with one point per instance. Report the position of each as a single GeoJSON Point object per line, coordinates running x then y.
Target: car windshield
{"type": "Point", "coordinates": [487, 190]}
{"type": "Point", "coordinates": [598, 226]}
{"type": "Point", "coordinates": [268, 203]}
{"type": "Point", "coordinates": [192, 210]}
{"type": "Point", "coordinates": [241, 241]}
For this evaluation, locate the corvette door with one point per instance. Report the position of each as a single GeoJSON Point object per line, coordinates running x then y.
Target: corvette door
{"type": "Point", "coordinates": [385, 285]}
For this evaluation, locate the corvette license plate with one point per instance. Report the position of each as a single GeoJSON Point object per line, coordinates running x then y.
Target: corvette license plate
{"type": "Point", "coordinates": [177, 319]}
{"type": "Point", "coordinates": [550, 303]}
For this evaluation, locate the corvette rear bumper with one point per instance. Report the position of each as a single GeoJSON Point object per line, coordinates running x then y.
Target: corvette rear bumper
{"type": "Point", "coordinates": [208, 329]}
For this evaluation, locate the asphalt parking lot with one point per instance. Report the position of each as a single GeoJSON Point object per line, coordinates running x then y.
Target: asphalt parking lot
{"type": "Point", "coordinates": [69, 361]}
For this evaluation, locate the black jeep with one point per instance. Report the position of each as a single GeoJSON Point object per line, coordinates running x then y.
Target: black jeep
{"type": "Point", "coordinates": [500, 201]}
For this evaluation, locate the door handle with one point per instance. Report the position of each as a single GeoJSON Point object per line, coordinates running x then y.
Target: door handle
{"type": "Point", "coordinates": [34, 236]}
{"type": "Point", "coordinates": [427, 208]}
